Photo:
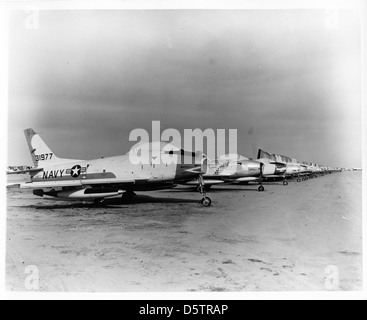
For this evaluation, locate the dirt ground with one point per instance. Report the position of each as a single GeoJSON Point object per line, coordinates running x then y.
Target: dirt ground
{"type": "Point", "coordinates": [281, 240]}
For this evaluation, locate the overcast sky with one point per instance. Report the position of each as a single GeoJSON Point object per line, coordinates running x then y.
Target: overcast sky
{"type": "Point", "coordinates": [86, 79]}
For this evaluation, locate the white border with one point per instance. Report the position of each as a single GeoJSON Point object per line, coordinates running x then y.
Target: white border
{"type": "Point", "coordinates": [4, 138]}
{"type": "Point", "coordinates": [364, 135]}
{"type": "Point", "coordinates": [180, 4]}
{"type": "Point", "coordinates": [359, 5]}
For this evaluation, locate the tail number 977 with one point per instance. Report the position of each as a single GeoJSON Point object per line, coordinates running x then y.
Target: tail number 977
{"type": "Point", "coordinates": [44, 156]}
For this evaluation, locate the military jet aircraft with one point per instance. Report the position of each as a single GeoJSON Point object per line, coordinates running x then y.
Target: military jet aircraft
{"type": "Point", "coordinates": [274, 166]}
{"type": "Point", "coordinates": [231, 168]}
{"type": "Point", "coordinates": [291, 168]}
{"type": "Point", "coordinates": [98, 179]}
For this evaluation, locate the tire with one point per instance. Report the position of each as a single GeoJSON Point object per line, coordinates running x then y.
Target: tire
{"type": "Point", "coordinates": [206, 202]}
{"type": "Point", "coordinates": [261, 189]}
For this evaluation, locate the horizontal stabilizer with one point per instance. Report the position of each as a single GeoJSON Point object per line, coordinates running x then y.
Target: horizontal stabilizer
{"type": "Point", "coordinates": [32, 172]}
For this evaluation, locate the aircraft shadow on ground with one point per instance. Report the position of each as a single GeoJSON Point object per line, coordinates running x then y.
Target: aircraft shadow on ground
{"type": "Point", "coordinates": [208, 191]}
{"type": "Point", "coordinates": [113, 203]}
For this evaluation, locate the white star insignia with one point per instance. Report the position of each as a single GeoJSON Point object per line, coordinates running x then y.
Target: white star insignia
{"type": "Point", "coordinates": [75, 171]}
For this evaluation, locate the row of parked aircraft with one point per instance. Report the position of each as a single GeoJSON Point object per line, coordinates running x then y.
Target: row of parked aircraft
{"type": "Point", "coordinates": [99, 179]}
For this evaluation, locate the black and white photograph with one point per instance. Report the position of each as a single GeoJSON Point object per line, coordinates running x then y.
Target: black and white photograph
{"type": "Point", "coordinates": [183, 150]}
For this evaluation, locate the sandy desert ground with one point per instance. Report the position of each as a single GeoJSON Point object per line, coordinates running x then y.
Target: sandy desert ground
{"type": "Point", "coordinates": [279, 240]}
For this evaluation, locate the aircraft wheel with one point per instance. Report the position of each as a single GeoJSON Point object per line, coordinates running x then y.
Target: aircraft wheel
{"type": "Point", "coordinates": [298, 180]}
{"type": "Point", "coordinates": [206, 202]}
{"type": "Point", "coordinates": [285, 183]}
{"type": "Point", "coordinates": [261, 189]}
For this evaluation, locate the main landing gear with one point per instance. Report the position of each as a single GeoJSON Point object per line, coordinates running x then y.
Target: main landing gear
{"type": "Point", "coordinates": [285, 183]}
{"type": "Point", "coordinates": [261, 188]}
{"type": "Point", "coordinates": [206, 201]}
{"type": "Point", "coordinates": [128, 196]}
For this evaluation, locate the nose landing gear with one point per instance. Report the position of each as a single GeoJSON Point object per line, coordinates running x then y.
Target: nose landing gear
{"type": "Point", "coordinates": [206, 201]}
{"type": "Point", "coordinates": [261, 188]}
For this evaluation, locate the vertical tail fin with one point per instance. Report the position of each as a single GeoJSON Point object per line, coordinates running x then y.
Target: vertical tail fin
{"type": "Point", "coordinates": [265, 155]}
{"type": "Point", "coordinates": [259, 154]}
{"type": "Point", "coordinates": [40, 151]}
